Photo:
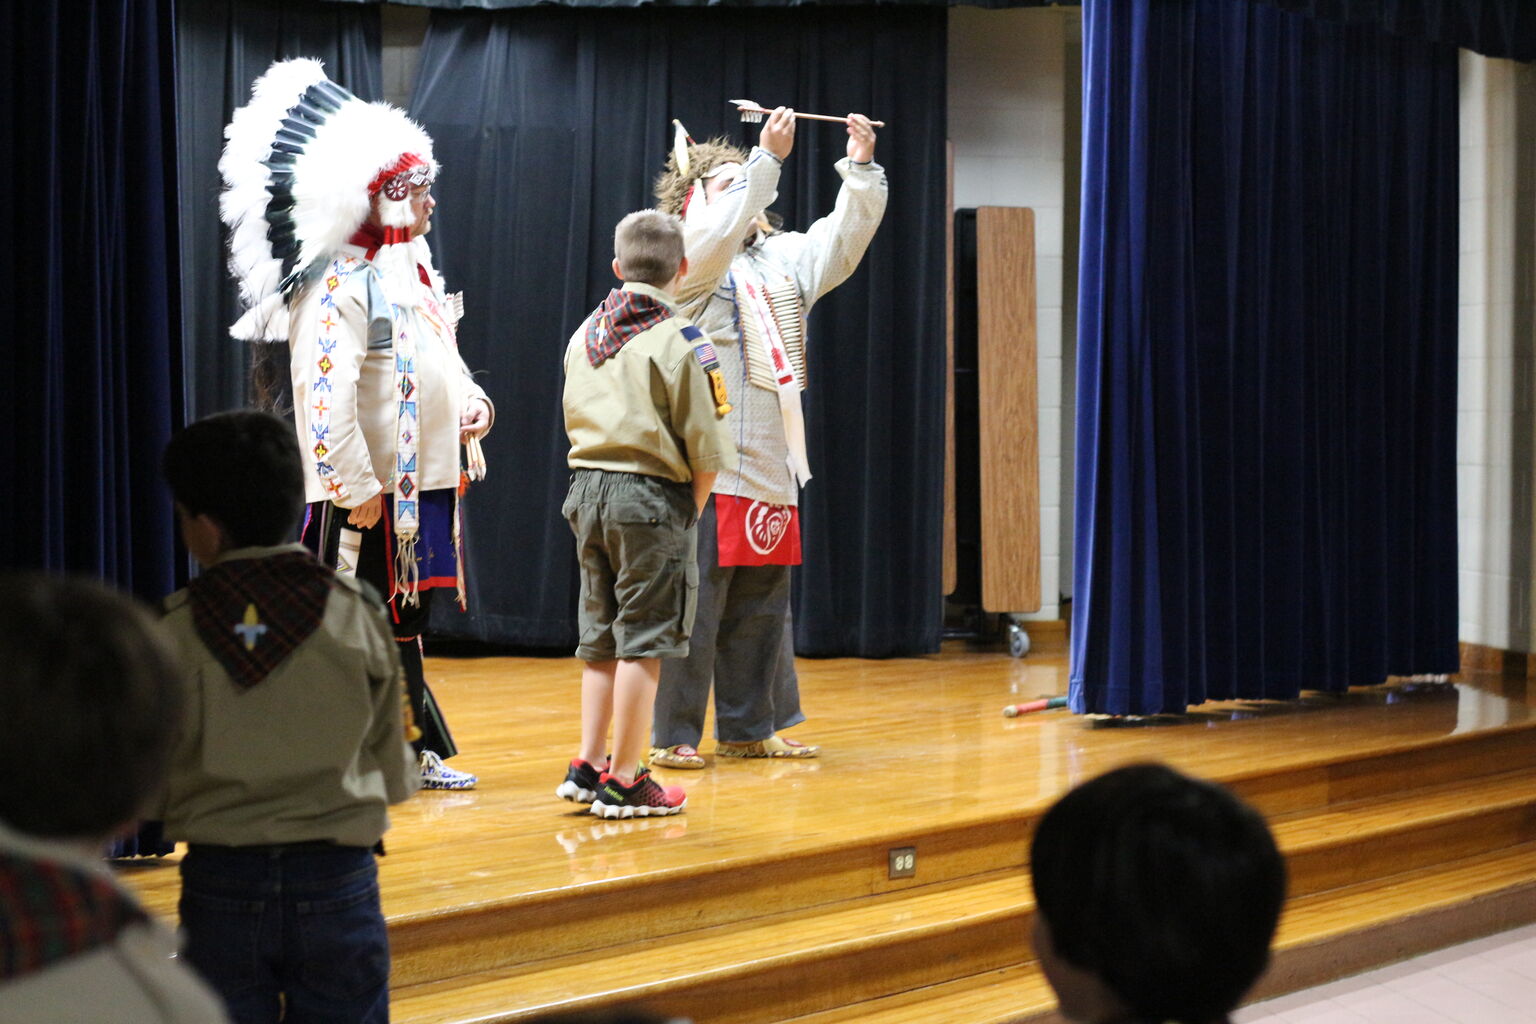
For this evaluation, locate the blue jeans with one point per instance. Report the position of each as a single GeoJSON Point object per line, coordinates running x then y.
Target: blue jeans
{"type": "Point", "coordinates": [292, 932]}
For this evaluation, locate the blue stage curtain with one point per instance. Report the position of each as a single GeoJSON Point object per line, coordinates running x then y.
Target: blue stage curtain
{"type": "Point", "coordinates": [1266, 410]}
{"type": "Point", "coordinates": [884, 5]}
{"type": "Point", "coordinates": [1494, 28]}
{"type": "Point", "coordinates": [90, 272]}
{"type": "Point", "coordinates": [551, 124]}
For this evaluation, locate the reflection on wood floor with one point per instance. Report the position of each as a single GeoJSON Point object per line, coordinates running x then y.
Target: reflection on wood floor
{"type": "Point", "coordinates": [1406, 811]}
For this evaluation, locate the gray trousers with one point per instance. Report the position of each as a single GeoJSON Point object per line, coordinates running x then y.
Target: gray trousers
{"type": "Point", "coordinates": [742, 646]}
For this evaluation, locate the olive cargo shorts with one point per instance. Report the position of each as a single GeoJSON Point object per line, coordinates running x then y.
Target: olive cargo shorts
{"type": "Point", "coordinates": [637, 545]}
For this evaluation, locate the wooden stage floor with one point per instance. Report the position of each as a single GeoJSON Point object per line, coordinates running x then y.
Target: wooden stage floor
{"type": "Point", "coordinates": [905, 743]}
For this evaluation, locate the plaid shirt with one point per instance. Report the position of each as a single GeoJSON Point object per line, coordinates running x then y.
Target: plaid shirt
{"type": "Point", "coordinates": [622, 315]}
{"type": "Point", "coordinates": [252, 612]}
{"type": "Point", "coordinates": [51, 912]}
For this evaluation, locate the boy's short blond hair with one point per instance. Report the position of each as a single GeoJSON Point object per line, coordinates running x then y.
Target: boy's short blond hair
{"type": "Point", "coordinates": [649, 247]}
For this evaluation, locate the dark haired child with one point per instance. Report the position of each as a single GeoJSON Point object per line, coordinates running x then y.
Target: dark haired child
{"type": "Point", "coordinates": [89, 687]}
{"type": "Point", "coordinates": [1156, 898]}
{"type": "Point", "coordinates": [294, 743]}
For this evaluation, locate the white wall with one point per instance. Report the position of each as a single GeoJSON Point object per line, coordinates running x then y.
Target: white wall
{"type": "Point", "coordinates": [1496, 463]}
{"type": "Point", "coordinates": [402, 30]}
{"type": "Point", "coordinates": [1013, 113]}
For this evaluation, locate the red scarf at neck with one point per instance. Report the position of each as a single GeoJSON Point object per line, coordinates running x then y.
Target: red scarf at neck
{"type": "Point", "coordinates": [372, 239]}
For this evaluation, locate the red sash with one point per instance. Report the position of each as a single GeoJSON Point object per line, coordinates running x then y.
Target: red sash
{"type": "Point", "coordinates": [756, 533]}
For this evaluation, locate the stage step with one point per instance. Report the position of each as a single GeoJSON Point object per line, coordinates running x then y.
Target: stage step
{"type": "Point", "coordinates": [792, 962]}
{"type": "Point", "coordinates": [1391, 853]}
{"type": "Point", "coordinates": [429, 943]}
{"type": "Point", "coordinates": [1370, 839]}
{"type": "Point", "coordinates": [1013, 994]}
{"type": "Point", "coordinates": [1322, 937]}
{"type": "Point", "coordinates": [506, 926]}
{"type": "Point", "coordinates": [1329, 935]}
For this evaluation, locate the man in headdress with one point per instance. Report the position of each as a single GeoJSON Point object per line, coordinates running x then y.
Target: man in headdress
{"type": "Point", "coordinates": [329, 200]}
{"type": "Point", "coordinates": [750, 286]}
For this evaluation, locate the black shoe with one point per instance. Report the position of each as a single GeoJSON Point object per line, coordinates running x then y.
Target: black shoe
{"type": "Point", "coordinates": [581, 782]}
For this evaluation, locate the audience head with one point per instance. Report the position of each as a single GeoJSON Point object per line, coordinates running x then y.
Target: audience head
{"type": "Point", "coordinates": [90, 696]}
{"type": "Point", "coordinates": [621, 1015]}
{"type": "Point", "coordinates": [237, 480]}
{"type": "Point", "coordinates": [1156, 897]}
{"type": "Point", "coordinates": [648, 248]}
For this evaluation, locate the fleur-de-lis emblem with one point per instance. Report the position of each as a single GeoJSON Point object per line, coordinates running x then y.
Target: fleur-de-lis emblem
{"type": "Point", "coordinates": [250, 627]}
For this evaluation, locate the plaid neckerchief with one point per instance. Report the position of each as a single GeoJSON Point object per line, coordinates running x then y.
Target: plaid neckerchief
{"type": "Point", "coordinates": [252, 612]}
{"type": "Point", "coordinates": [622, 315]}
{"type": "Point", "coordinates": [51, 911]}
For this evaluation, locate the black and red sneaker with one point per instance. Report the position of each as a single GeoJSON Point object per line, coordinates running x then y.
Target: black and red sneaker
{"type": "Point", "coordinates": [645, 798]}
{"type": "Point", "coordinates": [581, 782]}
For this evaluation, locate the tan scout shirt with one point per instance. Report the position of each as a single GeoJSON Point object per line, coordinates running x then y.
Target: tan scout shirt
{"type": "Point", "coordinates": [315, 751]}
{"type": "Point", "coordinates": [648, 409]}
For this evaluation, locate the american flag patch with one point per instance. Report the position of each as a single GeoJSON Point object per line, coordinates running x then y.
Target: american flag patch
{"type": "Point", "coordinates": [701, 346]}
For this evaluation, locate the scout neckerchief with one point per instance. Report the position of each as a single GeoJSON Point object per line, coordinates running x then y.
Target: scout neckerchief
{"type": "Point", "coordinates": [621, 316]}
{"type": "Point", "coordinates": [251, 613]}
{"type": "Point", "coordinates": [50, 911]}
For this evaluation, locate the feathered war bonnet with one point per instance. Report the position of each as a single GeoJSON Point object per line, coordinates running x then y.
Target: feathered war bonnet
{"type": "Point", "coordinates": [302, 162]}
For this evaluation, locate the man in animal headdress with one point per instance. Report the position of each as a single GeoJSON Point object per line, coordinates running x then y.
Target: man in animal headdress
{"type": "Point", "coordinates": [329, 200]}
{"type": "Point", "coordinates": [750, 286]}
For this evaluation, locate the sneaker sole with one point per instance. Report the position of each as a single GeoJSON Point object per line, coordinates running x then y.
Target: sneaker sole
{"type": "Point", "coordinates": [610, 811]}
{"type": "Point", "coordinates": [568, 790]}
{"type": "Point", "coordinates": [445, 784]}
